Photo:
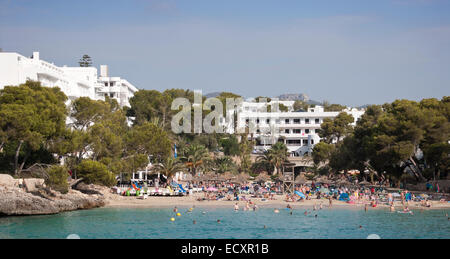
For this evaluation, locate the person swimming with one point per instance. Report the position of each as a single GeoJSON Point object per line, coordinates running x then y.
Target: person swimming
{"type": "Point", "coordinates": [276, 211]}
{"type": "Point", "coordinates": [236, 207]}
{"type": "Point", "coordinates": [175, 209]}
{"type": "Point", "coordinates": [392, 208]}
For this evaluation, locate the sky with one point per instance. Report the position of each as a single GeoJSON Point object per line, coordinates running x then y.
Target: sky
{"type": "Point", "coordinates": [352, 52]}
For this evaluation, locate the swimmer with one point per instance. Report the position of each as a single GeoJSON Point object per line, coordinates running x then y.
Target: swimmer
{"type": "Point", "coordinates": [218, 221]}
{"type": "Point", "coordinates": [195, 222]}
{"type": "Point", "coordinates": [315, 207]}
{"type": "Point", "coordinates": [255, 207]}
{"type": "Point", "coordinates": [315, 216]}
{"type": "Point", "coordinates": [204, 212]}
{"type": "Point", "coordinates": [366, 208]}
{"type": "Point", "coordinates": [360, 227]}
{"type": "Point", "coordinates": [175, 209]}
{"type": "Point", "coordinates": [306, 213]}
{"type": "Point", "coordinates": [291, 213]}
{"type": "Point", "coordinates": [276, 211]}
{"type": "Point", "coordinates": [321, 206]}
{"type": "Point", "coordinates": [236, 207]}
{"type": "Point", "coordinates": [289, 206]}
{"type": "Point", "coordinates": [392, 208]}
{"type": "Point", "coordinates": [265, 226]}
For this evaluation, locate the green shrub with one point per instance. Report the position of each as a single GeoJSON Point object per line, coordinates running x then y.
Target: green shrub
{"type": "Point", "coordinates": [57, 178]}
{"type": "Point", "coordinates": [96, 173]}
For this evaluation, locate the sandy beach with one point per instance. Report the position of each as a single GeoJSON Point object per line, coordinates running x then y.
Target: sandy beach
{"type": "Point", "coordinates": [190, 201]}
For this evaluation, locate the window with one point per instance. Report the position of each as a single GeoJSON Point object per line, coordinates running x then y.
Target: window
{"type": "Point", "coordinates": [296, 121]}
{"type": "Point", "coordinates": [306, 121]}
{"type": "Point", "coordinates": [111, 95]}
{"type": "Point", "coordinates": [305, 142]}
{"type": "Point", "coordinates": [111, 84]}
{"type": "Point", "coordinates": [297, 131]}
{"type": "Point", "coordinates": [294, 142]}
{"type": "Point", "coordinates": [287, 121]}
{"type": "Point", "coordinates": [106, 84]}
{"type": "Point", "coordinates": [258, 131]}
{"type": "Point", "coordinates": [268, 121]}
{"type": "Point", "coordinates": [317, 121]}
{"type": "Point", "coordinates": [307, 131]}
{"type": "Point", "coordinates": [247, 121]}
{"type": "Point", "coordinates": [286, 131]}
{"type": "Point", "coordinates": [312, 141]}
{"type": "Point", "coordinates": [257, 121]}
{"type": "Point", "coordinates": [312, 110]}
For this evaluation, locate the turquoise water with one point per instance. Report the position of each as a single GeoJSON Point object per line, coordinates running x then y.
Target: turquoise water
{"type": "Point", "coordinates": [155, 223]}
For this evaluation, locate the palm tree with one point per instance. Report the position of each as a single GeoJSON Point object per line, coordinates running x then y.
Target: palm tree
{"type": "Point", "coordinates": [169, 167]}
{"type": "Point", "coordinates": [276, 156]}
{"type": "Point", "coordinates": [195, 156]}
{"type": "Point", "coordinates": [224, 164]}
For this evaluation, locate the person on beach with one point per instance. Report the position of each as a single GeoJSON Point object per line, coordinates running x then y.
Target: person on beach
{"type": "Point", "coordinates": [392, 208]}
{"type": "Point", "coordinates": [315, 207]}
{"type": "Point", "coordinates": [331, 201]}
{"type": "Point", "coordinates": [321, 207]}
{"type": "Point", "coordinates": [366, 207]}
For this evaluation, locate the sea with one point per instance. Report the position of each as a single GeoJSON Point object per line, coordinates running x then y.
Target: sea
{"type": "Point", "coordinates": [225, 223]}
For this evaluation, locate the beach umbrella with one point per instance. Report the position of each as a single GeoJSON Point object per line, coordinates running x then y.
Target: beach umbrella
{"type": "Point", "coordinates": [228, 175]}
{"type": "Point", "coordinates": [262, 177]}
{"type": "Point", "coordinates": [395, 194]}
{"type": "Point", "coordinates": [424, 195]}
{"type": "Point", "coordinates": [301, 179]}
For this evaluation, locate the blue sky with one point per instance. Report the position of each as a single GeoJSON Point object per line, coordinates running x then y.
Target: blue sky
{"type": "Point", "coordinates": [350, 52]}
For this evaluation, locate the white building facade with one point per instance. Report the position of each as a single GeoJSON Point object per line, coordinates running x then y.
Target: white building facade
{"type": "Point", "coordinates": [297, 129]}
{"type": "Point", "coordinates": [75, 82]}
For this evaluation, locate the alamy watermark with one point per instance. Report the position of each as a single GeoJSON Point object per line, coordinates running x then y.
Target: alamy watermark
{"type": "Point", "coordinates": [225, 116]}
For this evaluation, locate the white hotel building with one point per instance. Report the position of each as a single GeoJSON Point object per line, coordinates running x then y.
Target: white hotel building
{"type": "Point", "coordinates": [296, 129]}
{"type": "Point", "coordinates": [75, 82]}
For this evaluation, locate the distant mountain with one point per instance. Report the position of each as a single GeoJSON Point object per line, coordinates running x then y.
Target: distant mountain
{"type": "Point", "coordinates": [294, 97]}
{"type": "Point", "coordinates": [212, 95]}
{"type": "Point", "coordinates": [363, 106]}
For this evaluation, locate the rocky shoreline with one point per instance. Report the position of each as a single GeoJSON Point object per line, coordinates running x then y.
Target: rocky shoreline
{"type": "Point", "coordinates": [38, 200]}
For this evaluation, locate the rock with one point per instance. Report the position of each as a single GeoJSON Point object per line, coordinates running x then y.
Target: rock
{"type": "Point", "coordinates": [32, 184]}
{"type": "Point", "coordinates": [7, 180]}
{"type": "Point", "coordinates": [87, 189]}
{"type": "Point", "coordinates": [15, 202]}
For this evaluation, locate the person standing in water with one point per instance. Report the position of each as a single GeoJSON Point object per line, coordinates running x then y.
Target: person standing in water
{"type": "Point", "coordinates": [392, 208]}
{"type": "Point", "coordinates": [236, 207]}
